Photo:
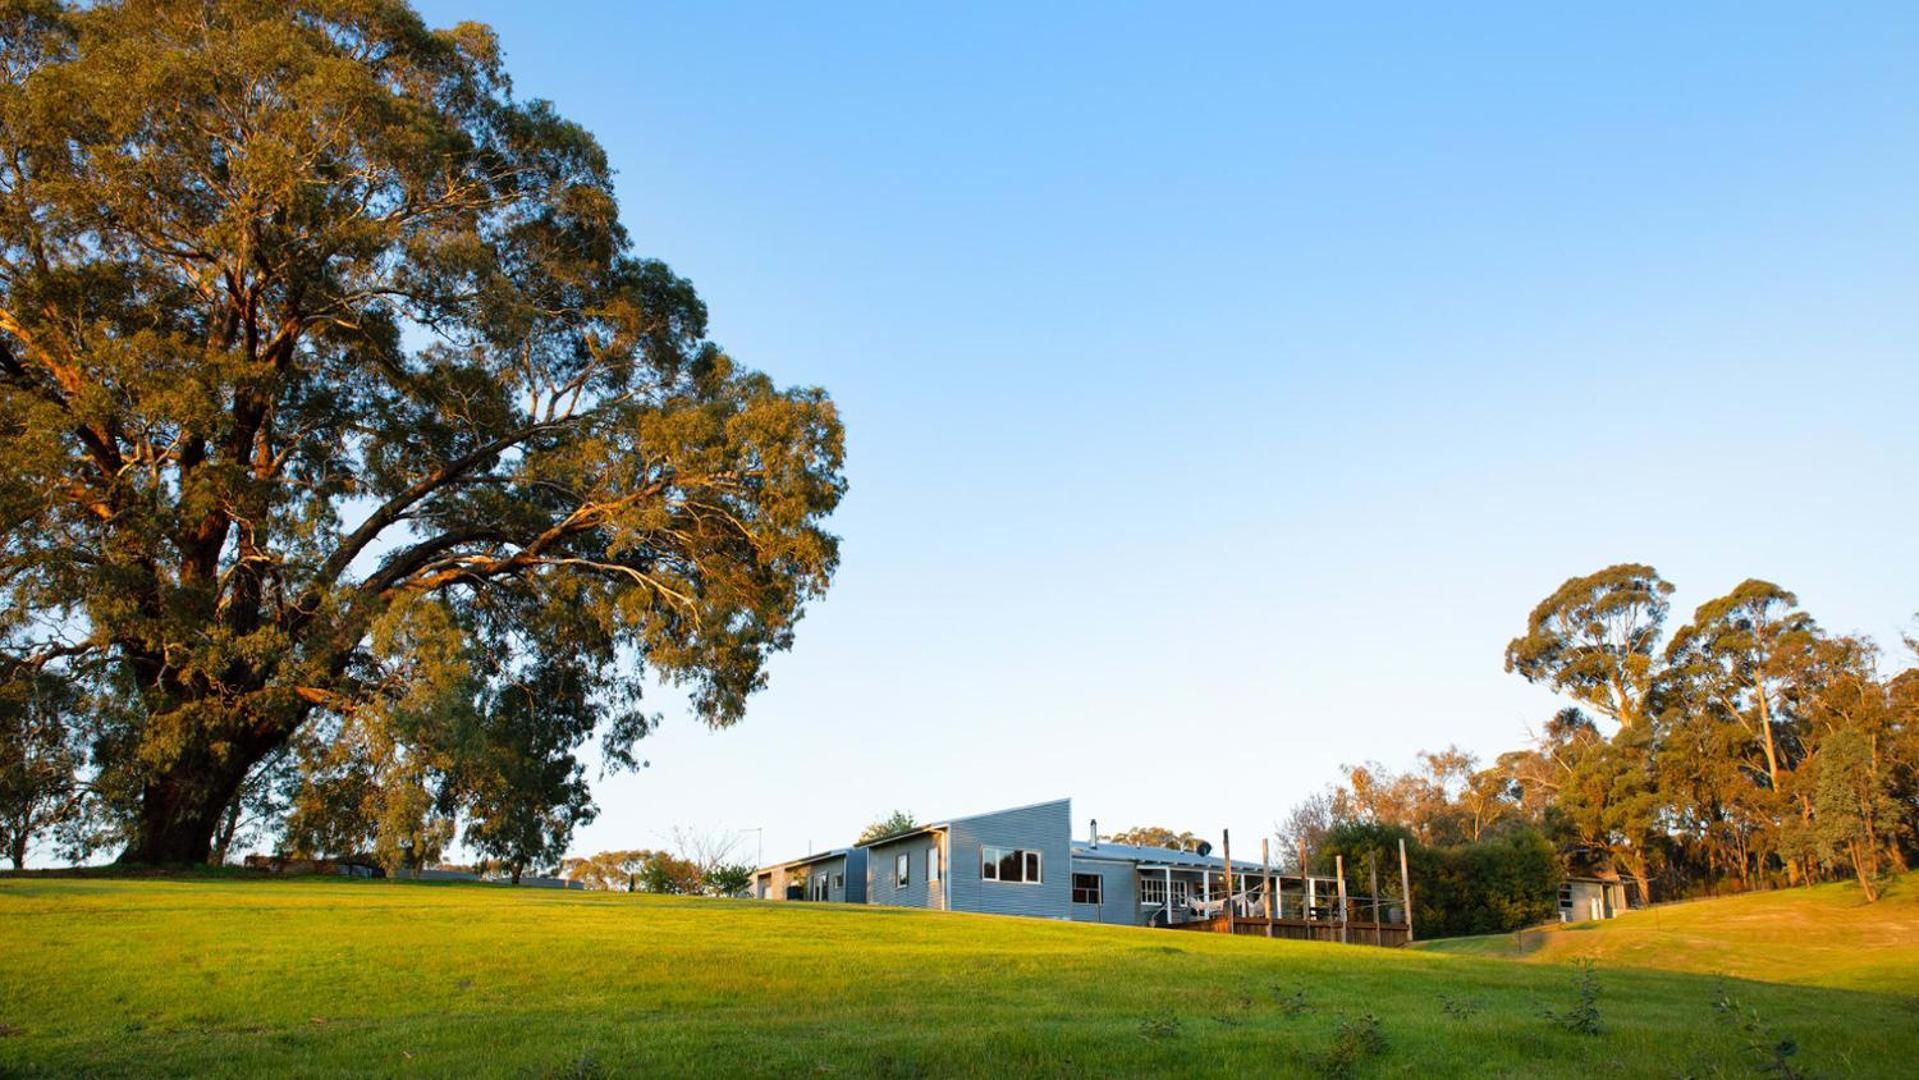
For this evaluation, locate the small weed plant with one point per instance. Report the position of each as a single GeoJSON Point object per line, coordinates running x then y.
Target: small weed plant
{"type": "Point", "coordinates": [1582, 1016]}
{"type": "Point", "coordinates": [1459, 1008]}
{"type": "Point", "coordinates": [1770, 1051]}
{"type": "Point", "coordinates": [1159, 1026]}
{"type": "Point", "coordinates": [1355, 1041]}
{"type": "Point", "coordinates": [1292, 1001]}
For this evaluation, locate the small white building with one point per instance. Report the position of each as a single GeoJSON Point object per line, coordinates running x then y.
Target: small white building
{"type": "Point", "coordinates": [1587, 898]}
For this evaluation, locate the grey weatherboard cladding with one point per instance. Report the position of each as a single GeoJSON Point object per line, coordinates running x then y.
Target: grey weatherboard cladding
{"type": "Point", "coordinates": [1045, 828]}
{"type": "Point", "coordinates": [882, 886]}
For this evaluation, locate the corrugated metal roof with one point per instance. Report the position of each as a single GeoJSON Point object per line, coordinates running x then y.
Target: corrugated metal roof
{"type": "Point", "coordinates": [947, 823]}
{"type": "Point", "coordinates": [834, 853]}
{"type": "Point", "coordinates": [1158, 856]}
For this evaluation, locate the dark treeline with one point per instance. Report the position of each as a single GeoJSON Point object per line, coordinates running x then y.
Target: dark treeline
{"type": "Point", "coordinates": [1749, 748]}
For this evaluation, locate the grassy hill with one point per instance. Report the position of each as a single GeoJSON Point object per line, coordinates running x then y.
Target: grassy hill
{"type": "Point", "coordinates": [216, 976]}
{"type": "Point", "coordinates": [1827, 936]}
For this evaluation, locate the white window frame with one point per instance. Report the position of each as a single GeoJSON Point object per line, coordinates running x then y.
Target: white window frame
{"type": "Point", "coordinates": [1099, 887]}
{"type": "Point", "coordinates": [903, 869]}
{"type": "Point", "coordinates": [989, 860]}
{"type": "Point", "coordinates": [1152, 889]}
{"type": "Point", "coordinates": [933, 864]}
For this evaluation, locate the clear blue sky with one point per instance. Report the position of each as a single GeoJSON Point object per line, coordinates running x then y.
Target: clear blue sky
{"type": "Point", "coordinates": [1223, 387]}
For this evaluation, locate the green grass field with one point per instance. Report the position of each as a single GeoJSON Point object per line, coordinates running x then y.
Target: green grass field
{"type": "Point", "coordinates": [1826, 936]}
{"type": "Point", "coordinates": [235, 976]}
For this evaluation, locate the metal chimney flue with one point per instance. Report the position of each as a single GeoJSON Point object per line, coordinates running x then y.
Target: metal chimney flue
{"type": "Point", "coordinates": [1094, 842]}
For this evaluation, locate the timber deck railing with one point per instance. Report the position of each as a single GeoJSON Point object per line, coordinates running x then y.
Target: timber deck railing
{"type": "Point", "coordinates": [1264, 908]}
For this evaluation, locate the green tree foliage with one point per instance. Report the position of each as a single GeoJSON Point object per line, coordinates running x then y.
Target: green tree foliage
{"type": "Point", "coordinates": [40, 762]}
{"type": "Point", "coordinates": [1449, 799]}
{"type": "Point", "coordinates": [259, 809]}
{"type": "Point", "coordinates": [1502, 882]}
{"type": "Point", "coordinates": [1596, 638]}
{"type": "Point", "coordinates": [608, 871]}
{"type": "Point", "coordinates": [1713, 771]}
{"type": "Point", "coordinates": [654, 872]}
{"type": "Point", "coordinates": [1157, 836]}
{"type": "Point", "coordinates": [1609, 807]}
{"type": "Point", "coordinates": [1853, 808]}
{"type": "Point", "coordinates": [899, 821]}
{"type": "Point", "coordinates": [1497, 884]}
{"type": "Point", "coordinates": [664, 872]}
{"type": "Point", "coordinates": [335, 405]}
{"type": "Point", "coordinates": [514, 772]}
{"type": "Point", "coordinates": [727, 879]}
{"type": "Point", "coordinates": [1740, 661]}
{"type": "Point", "coordinates": [1753, 747]}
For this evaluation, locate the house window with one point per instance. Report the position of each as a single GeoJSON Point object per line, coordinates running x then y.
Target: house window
{"type": "Point", "coordinates": [1086, 888]}
{"type": "Point", "coordinates": [933, 863]}
{"type": "Point", "coordinates": [902, 869]}
{"type": "Point", "coordinates": [1009, 865]}
{"type": "Point", "coordinates": [1152, 890]}
{"type": "Point", "coordinates": [839, 881]}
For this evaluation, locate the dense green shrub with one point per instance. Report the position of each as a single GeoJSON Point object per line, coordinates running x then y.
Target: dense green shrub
{"type": "Point", "coordinates": [1502, 882]}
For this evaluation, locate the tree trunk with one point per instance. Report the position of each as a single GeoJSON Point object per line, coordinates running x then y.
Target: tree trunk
{"type": "Point", "coordinates": [182, 804]}
{"type": "Point", "coordinates": [1636, 865]}
{"type": "Point", "coordinates": [17, 851]}
{"type": "Point", "coordinates": [1863, 866]}
{"type": "Point", "coordinates": [229, 824]}
{"type": "Point", "coordinates": [179, 814]}
{"type": "Point", "coordinates": [1765, 728]}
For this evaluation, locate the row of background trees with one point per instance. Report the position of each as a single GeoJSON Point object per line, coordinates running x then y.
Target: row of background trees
{"type": "Point", "coordinates": [697, 864]}
{"type": "Point", "coordinates": [1748, 748]}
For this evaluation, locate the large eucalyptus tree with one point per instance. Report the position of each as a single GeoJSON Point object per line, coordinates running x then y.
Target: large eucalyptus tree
{"type": "Point", "coordinates": [332, 394]}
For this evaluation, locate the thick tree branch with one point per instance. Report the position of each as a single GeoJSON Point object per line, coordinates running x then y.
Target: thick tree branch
{"type": "Point", "coordinates": [396, 507]}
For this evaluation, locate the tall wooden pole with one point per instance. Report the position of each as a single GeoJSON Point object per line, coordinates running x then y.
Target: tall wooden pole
{"type": "Point", "coordinates": [1406, 891]}
{"type": "Point", "coordinates": [1372, 872]}
{"type": "Point", "coordinates": [1226, 856]}
{"type": "Point", "coordinates": [1339, 867]}
{"type": "Point", "coordinates": [1305, 887]}
{"type": "Point", "coordinates": [1266, 872]}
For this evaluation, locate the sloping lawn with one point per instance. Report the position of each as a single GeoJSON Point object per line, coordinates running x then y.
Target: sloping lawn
{"type": "Point", "coordinates": [233, 977]}
{"type": "Point", "coordinates": [1823, 936]}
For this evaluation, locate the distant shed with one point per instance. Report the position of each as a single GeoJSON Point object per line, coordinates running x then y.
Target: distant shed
{"type": "Point", "coordinates": [1584, 898]}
